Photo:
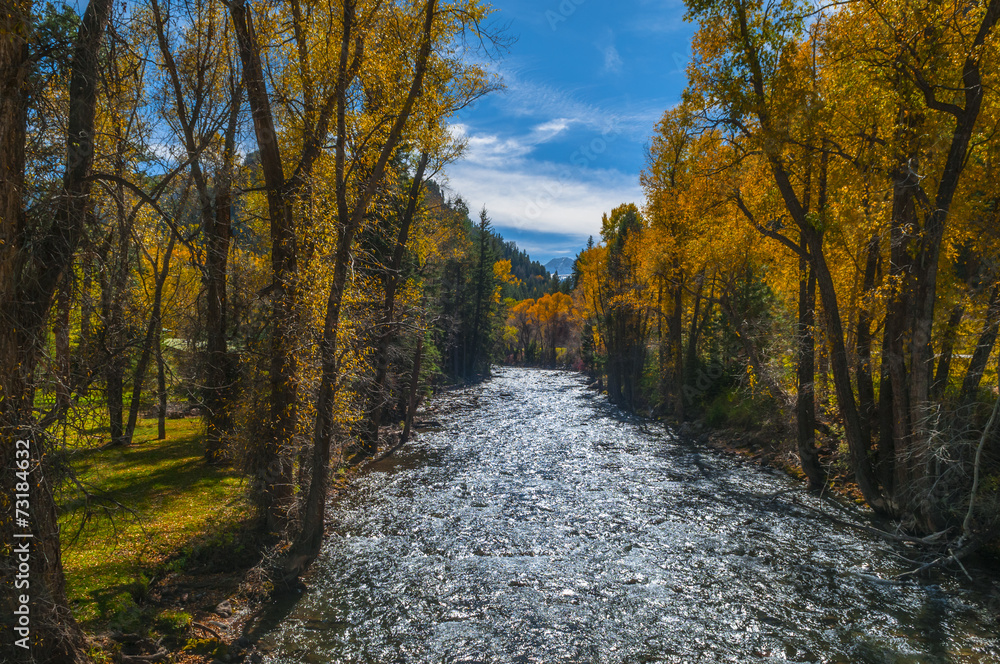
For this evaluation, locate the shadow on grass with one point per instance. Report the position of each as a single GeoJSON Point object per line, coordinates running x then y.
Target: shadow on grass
{"type": "Point", "coordinates": [142, 473]}
{"type": "Point", "coordinates": [123, 594]}
{"type": "Point", "coordinates": [151, 502]}
{"type": "Point", "coordinates": [191, 430]}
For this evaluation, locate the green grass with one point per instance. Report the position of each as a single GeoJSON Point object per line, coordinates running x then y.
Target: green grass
{"type": "Point", "coordinates": [173, 498]}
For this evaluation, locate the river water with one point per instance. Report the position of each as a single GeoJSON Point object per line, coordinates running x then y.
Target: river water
{"type": "Point", "coordinates": [540, 524]}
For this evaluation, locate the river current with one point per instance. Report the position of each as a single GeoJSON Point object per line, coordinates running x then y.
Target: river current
{"type": "Point", "coordinates": [538, 523]}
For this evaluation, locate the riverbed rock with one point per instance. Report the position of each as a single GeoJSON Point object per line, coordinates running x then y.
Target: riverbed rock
{"type": "Point", "coordinates": [224, 609]}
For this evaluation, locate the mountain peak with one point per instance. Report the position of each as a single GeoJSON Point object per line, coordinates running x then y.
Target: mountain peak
{"type": "Point", "coordinates": [563, 265]}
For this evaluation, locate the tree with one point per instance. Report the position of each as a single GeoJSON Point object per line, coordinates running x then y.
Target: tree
{"type": "Point", "coordinates": [482, 298]}
{"type": "Point", "coordinates": [33, 261]}
{"type": "Point", "coordinates": [207, 93]}
{"type": "Point", "coordinates": [552, 316]}
{"type": "Point", "coordinates": [271, 465]}
{"type": "Point", "coordinates": [385, 323]}
{"type": "Point", "coordinates": [523, 319]}
{"type": "Point", "coordinates": [351, 211]}
{"type": "Point", "coordinates": [617, 295]}
{"type": "Point", "coordinates": [795, 106]}
{"type": "Point", "coordinates": [377, 82]}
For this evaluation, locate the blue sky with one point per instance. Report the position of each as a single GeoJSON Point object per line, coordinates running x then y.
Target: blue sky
{"type": "Point", "coordinates": [586, 83]}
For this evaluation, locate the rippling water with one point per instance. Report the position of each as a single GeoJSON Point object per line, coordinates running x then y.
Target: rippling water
{"type": "Point", "coordinates": [539, 524]}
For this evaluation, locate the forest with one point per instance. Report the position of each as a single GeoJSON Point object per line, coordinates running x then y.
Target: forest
{"type": "Point", "coordinates": [229, 268]}
{"type": "Point", "coordinates": [817, 256]}
{"type": "Point", "coordinates": [230, 211]}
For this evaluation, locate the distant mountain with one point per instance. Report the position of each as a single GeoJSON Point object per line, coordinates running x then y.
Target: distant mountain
{"type": "Point", "coordinates": [563, 265]}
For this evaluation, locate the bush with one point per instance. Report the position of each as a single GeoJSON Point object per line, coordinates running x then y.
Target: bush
{"type": "Point", "coordinates": [212, 647]}
{"type": "Point", "coordinates": [171, 621]}
{"type": "Point", "coordinates": [717, 410]}
{"type": "Point", "coordinates": [123, 614]}
{"type": "Point", "coordinates": [740, 410]}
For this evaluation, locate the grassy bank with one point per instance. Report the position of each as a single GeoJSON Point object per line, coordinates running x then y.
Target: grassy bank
{"type": "Point", "coordinates": [150, 508]}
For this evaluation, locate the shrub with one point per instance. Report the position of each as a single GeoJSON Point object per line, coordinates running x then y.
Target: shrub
{"type": "Point", "coordinates": [172, 622]}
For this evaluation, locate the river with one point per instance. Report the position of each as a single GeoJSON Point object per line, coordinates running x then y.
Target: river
{"type": "Point", "coordinates": [540, 524]}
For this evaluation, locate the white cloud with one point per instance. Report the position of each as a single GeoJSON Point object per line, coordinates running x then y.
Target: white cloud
{"type": "Point", "coordinates": [549, 130]}
{"type": "Point", "coordinates": [541, 196]}
{"type": "Point", "coordinates": [492, 150]}
{"type": "Point", "coordinates": [489, 149]}
{"type": "Point", "coordinates": [567, 196]}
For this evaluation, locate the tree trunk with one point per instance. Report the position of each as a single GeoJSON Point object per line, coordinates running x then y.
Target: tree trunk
{"type": "Point", "coordinates": [411, 401]}
{"type": "Point", "coordinates": [863, 340]}
{"type": "Point", "coordinates": [694, 331]}
{"type": "Point", "coordinates": [113, 304]}
{"type": "Point", "coordinates": [805, 406]}
{"type": "Point", "coordinates": [27, 288]}
{"type": "Point", "coordinates": [112, 350]}
{"type": "Point", "coordinates": [161, 386]}
{"type": "Point", "coordinates": [376, 400]}
{"type": "Point", "coordinates": [863, 470]}
{"type": "Point", "coordinates": [152, 329]}
{"type": "Point", "coordinates": [218, 231]}
{"type": "Point", "coordinates": [86, 308]}
{"type": "Point", "coordinates": [967, 530]}
{"type": "Point", "coordinates": [272, 465]}
{"type": "Point", "coordinates": [947, 349]}
{"type": "Point", "coordinates": [984, 347]}
{"type": "Point", "coordinates": [61, 331]}
{"type": "Point", "coordinates": [677, 344]}
{"type": "Point", "coordinates": [663, 350]}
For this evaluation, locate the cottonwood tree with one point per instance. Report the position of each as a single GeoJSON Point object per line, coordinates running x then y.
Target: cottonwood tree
{"type": "Point", "coordinates": [761, 76]}
{"type": "Point", "coordinates": [615, 293]}
{"type": "Point", "coordinates": [307, 543]}
{"type": "Point", "coordinates": [205, 90]}
{"type": "Point", "coordinates": [33, 259]}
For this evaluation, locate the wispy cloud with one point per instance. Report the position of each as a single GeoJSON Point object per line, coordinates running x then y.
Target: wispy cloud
{"type": "Point", "coordinates": [549, 130]}
{"type": "Point", "coordinates": [528, 99]}
{"type": "Point", "coordinates": [489, 149]}
{"type": "Point", "coordinates": [612, 60]}
{"type": "Point", "coordinates": [496, 151]}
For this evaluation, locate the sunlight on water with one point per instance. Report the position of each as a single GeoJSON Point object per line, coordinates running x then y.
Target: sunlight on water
{"type": "Point", "coordinates": [542, 525]}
